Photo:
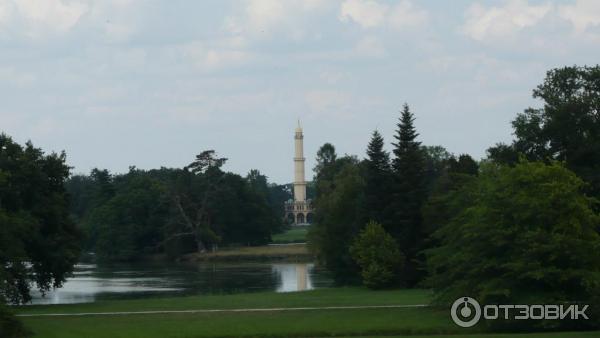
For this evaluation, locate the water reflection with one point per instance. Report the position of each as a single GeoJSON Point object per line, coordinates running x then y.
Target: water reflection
{"type": "Point", "coordinates": [95, 282]}
{"type": "Point", "coordinates": [293, 277]}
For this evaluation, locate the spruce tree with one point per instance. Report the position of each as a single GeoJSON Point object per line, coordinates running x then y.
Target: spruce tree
{"type": "Point", "coordinates": [377, 180]}
{"type": "Point", "coordinates": [408, 193]}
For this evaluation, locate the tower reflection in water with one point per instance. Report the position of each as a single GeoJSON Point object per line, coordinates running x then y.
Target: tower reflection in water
{"type": "Point", "coordinates": [293, 277]}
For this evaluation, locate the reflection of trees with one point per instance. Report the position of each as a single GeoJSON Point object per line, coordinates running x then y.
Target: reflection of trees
{"type": "Point", "coordinates": [231, 278]}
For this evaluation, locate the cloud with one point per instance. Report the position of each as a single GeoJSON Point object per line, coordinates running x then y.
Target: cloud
{"type": "Point", "coordinates": [405, 15]}
{"type": "Point", "coordinates": [583, 14]}
{"type": "Point", "coordinates": [504, 21]}
{"type": "Point", "coordinates": [367, 14]}
{"type": "Point", "coordinates": [42, 17]}
{"type": "Point", "coordinates": [370, 14]}
{"type": "Point", "coordinates": [259, 18]}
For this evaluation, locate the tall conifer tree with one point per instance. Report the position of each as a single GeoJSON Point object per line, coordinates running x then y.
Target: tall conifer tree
{"type": "Point", "coordinates": [377, 180]}
{"type": "Point", "coordinates": [408, 193]}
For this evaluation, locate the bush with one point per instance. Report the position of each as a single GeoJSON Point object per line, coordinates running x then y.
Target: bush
{"type": "Point", "coordinates": [378, 256]}
{"type": "Point", "coordinates": [528, 235]}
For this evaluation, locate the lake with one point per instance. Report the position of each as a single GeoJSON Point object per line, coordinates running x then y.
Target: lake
{"type": "Point", "coordinates": [91, 282]}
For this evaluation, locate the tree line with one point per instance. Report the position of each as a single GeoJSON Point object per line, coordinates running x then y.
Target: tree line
{"type": "Point", "coordinates": [520, 226]}
{"type": "Point", "coordinates": [174, 211]}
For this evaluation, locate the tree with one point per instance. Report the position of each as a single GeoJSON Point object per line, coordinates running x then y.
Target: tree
{"type": "Point", "coordinates": [338, 214]}
{"type": "Point", "coordinates": [437, 159]}
{"type": "Point", "coordinates": [131, 224]}
{"type": "Point", "coordinates": [409, 193]}
{"type": "Point", "coordinates": [377, 180]}
{"type": "Point", "coordinates": [192, 198]}
{"type": "Point", "coordinates": [378, 256]}
{"type": "Point", "coordinates": [39, 244]}
{"type": "Point", "coordinates": [525, 235]}
{"type": "Point", "coordinates": [567, 128]}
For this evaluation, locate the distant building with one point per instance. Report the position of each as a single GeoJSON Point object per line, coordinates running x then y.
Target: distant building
{"type": "Point", "coordinates": [299, 211]}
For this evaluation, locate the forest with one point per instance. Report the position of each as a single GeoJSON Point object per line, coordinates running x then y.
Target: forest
{"type": "Point", "coordinates": [129, 216]}
{"type": "Point", "coordinates": [520, 226]}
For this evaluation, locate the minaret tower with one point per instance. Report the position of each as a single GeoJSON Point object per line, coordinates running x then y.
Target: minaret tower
{"type": "Point", "coordinates": [298, 211]}
{"type": "Point", "coordinates": [299, 181]}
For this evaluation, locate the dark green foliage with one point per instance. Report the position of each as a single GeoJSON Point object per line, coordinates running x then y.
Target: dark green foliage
{"type": "Point", "coordinates": [378, 256]}
{"type": "Point", "coordinates": [409, 193]}
{"type": "Point", "coordinates": [326, 166]}
{"type": "Point", "coordinates": [378, 179]}
{"type": "Point", "coordinates": [503, 154]}
{"type": "Point", "coordinates": [130, 224]}
{"type": "Point", "coordinates": [39, 244]}
{"type": "Point", "coordinates": [437, 160]}
{"type": "Point", "coordinates": [338, 214]}
{"type": "Point", "coordinates": [567, 128]}
{"type": "Point", "coordinates": [129, 216]}
{"type": "Point", "coordinates": [445, 198]}
{"type": "Point", "coordinates": [523, 235]}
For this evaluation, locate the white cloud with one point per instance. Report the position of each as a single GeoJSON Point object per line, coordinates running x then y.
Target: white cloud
{"type": "Point", "coordinates": [43, 17]}
{"type": "Point", "coordinates": [503, 21]}
{"type": "Point", "coordinates": [583, 14]}
{"type": "Point", "coordinates": [264, 17]}
{"type": "Point", "coordinates": [405, 15]}
{"type": "Point", "coordinates": [370, 14]}
{"type": "Point", "coordinates": [367, 13]}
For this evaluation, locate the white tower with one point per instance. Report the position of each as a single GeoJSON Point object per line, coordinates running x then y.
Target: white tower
{"type": "Point", "coordinates": [299, 181]}
{"type": "Point", "coordinates": [298, 210]}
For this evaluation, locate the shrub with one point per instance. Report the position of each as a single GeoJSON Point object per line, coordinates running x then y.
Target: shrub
{"type": "Point", "coordinates": [378, 256]}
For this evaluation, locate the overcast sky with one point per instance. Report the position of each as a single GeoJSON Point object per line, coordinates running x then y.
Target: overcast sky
{"type": "Point", "coordinates": [117, 83]}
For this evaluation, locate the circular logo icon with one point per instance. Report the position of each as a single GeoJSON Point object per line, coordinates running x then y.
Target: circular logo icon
{"type": "Point", "coordinates": [465, 312]}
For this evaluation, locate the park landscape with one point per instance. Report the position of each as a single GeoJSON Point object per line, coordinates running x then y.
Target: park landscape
{"type": "Point", "coordinates": [397, 215]}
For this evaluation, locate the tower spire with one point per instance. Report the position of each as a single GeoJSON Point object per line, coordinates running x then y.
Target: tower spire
{"type": "Point", "coordinates": [299, 210]}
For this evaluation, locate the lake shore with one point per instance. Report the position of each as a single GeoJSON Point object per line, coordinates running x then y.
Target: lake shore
{"type": "Point", "coordinates": [265, 318]}
{"type": "Point", "coordinates": [297, 252]}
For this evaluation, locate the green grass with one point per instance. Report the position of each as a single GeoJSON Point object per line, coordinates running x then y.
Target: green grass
{"type": "Point", "coordinates": [305, 323]}
{"type": "Point", "coordinates": [293, 235]}
{"type": "Point", "coordinates": [312, 298]}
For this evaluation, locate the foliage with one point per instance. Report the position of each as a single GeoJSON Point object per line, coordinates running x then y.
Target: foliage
{"type": "Point", "coordinates": [409, 192]}
{"type": "Point", "coordinates": [378, 179]}
{"type": "Point", "coordinates": [39, 244]}
{"type": "Point", "coordinates": [378, 256]}
{"type": "Point", "coordinates": [526, 235]}
{"type": "Point", "coordinates": [131, 223]}
{"type": "Point", "coordinates": [446, 197]}
{"type": "Point", "coordinates": [567, 128]}
{"type": "Point", "coordinates": [338, 214]}
{"type": "Point", "coordinates": [128, 216]}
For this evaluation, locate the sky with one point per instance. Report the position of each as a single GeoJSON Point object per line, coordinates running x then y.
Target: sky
{"type": "Point", "coordinates": [120, 83]}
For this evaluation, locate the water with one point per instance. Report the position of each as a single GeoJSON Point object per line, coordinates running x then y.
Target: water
{"type": "Point", "coordinates": [92, 282]}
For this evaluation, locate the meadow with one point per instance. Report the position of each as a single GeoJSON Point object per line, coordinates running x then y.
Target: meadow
{"type": "Point", "coordinates": [314, 322]}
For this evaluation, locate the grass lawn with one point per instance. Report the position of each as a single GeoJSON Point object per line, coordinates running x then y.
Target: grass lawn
{"type": "Point", "coordinates": [305, 323]}
{"type": "Point", "coordinates": [293, 235]}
